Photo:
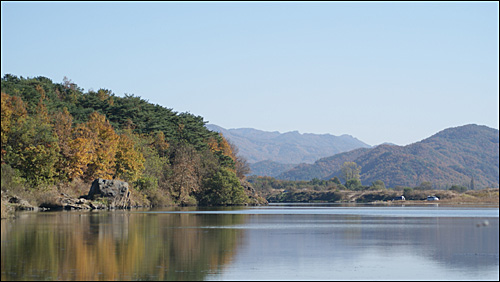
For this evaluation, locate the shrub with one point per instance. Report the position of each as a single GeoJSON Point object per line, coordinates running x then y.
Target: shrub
{"type": "Point", "coordinates": [458, 188]}
{"type": "Point", "coordinates": [223, 188]}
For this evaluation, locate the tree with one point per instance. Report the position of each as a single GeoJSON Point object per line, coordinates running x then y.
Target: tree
{"type": "Point", "coordinates": [458, 188]}
{"type": "Point", "coordinates": [223, 150]}
{"type": "Point", "coordinates": [62, 125]}
{"type": "Point", "coordinates": [81, 151]}
{"type": "Point", "coordinates": [241, 165]}
{"type": "Point", "coordinates": [350, 170]}
{"type": "Point", "coordinates": [105, 146]}
{"type": "Point", "coordinates": [353, 184]}
{"type": "Point", "coordinates": [335, 180]}
{"type": "Point", "coordinates": [129, 163]}
{"type": "Point", "coordinates": [471, 185]}
{"type": "Point", "coordinates": [13, 116]}
{"type": "Point", "coordinates": [185, 178]}
{"type": "Point", "coordinates": [377, 185]}
{"type": "Point", "coordinates": [224, 188]}
{"type": "Point", "coordinates": [33, 150]}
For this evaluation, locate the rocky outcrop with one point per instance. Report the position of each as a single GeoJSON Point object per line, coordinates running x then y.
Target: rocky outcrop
{"type": "Point", "coordinates": [255, 198]}
{"type": "Point", "coordinates": [21, 204]}
{"type": "Point", "coordinates": [103, 194]}
{"type": "Point", "coordinates": [115, 193]}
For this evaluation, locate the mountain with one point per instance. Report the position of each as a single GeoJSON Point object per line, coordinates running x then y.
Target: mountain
{"type": "Point", "coordinates": [455, 155]}
{"type": "Point", "coordinates": [269, 168]}
{"type": "Point", "coordinates": [287, 148]}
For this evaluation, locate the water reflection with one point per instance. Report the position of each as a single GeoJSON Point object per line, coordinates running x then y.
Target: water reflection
{"type": "Point", "coordinates": [272, 243]}
{"type": "Point", "coordinates": [354, 247]}
{"type": "Point", "coordinates": [116, 246]}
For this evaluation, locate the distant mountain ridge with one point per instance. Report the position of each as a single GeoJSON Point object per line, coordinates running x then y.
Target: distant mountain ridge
{"type": "Point", "coordinates": [269, 168]}
{"type": "Point", "coordinates": [287, 148]}
{"type": "Point", "coordinates": [455, 155]}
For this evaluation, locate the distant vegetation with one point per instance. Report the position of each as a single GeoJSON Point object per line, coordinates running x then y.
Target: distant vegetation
{"type": "Point", "coordinates": [466, 156]}
{"type": "Point", "coordinates": [56, 135]}
{"type": "Point", "coordinates": [290, 191]}
{"type": "Point", "coordinates": [334, 190]}
{"type": "Point", "coordinates": [56, 138]}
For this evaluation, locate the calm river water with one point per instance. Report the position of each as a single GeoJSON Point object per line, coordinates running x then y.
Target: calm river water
{"type": "Point", "coordinates": [275, 242]}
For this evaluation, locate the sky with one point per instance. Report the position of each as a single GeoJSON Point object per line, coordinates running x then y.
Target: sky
{"type": "Point", "coordinates": [394, 72]}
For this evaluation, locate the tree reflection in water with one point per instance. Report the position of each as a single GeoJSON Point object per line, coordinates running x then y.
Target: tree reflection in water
{"type": "Point", "coordinates": [117, 245]}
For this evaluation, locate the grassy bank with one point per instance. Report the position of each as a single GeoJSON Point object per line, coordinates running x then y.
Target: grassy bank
{"type": "Point", "coordinates": [485, 196]}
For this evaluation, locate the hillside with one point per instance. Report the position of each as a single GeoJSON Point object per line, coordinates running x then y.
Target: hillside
{"type": "Point", "coordinates": [55, 135]}
{"type": "Point", "coordinates": [269, 168]}
{"type": "Point", "coordinates": [287, 148]}
{"type": "Point", "coordinates": [453, 156]}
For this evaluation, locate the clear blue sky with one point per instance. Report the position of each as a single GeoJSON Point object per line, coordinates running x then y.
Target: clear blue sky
{"type": "Point", "coordinates": [381, 72]}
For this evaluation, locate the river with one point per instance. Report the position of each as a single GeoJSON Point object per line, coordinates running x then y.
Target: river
{"type": "Point", "coordinates": [275, 242]}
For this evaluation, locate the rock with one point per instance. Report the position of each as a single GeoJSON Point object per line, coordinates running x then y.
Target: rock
{"type": "Point", "coordinates": [117, 191]}
{"type": "Point", "coordinates": [81, 201]}
{"type": "Point", "coordinates": [96, 206]}
{"type": "Point", "coordinates": [21, 204]}
{"type": "Point", "coordinates": [255, 198]}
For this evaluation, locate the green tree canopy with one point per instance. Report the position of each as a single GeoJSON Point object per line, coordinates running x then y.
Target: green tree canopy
{"type": "Point", "coordinates": [350, 170]}
{"type": "Point", "coordinates": [224, 188]}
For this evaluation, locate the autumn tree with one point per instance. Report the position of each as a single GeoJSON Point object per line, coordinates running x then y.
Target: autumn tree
{"type": "Point", "coordinates": [31, 146]}
{"type": "Point", "coordinates": [185, 178]}
{"type": "Point", "coordinates": [222, 149]}
{"type": "Point", "coordinates": [81, 154]}
{"type": "Point", "coordinates": [160, 143]}
{"type": "Point", "coordinates": [14, 114]}
{"type": "Point", "coordinates": [241, 165]}
{"type": "Point", "coordinates": [105, 146]}
{"type": "Point", "coordinates": [63, 128]}
{"type": "Point", "coordinates": [129, 162]}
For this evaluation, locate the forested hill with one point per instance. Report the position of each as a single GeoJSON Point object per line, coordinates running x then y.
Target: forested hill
{"type": "Point", "coordinates": [122, 112]}
{"type": "Point", "coordinates": [465, 155]}
{"type": "Point", "coordinates": [56, 133]}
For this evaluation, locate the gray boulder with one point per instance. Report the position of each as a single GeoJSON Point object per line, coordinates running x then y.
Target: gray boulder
{"type": "Point", "coordinates": [116, 191]}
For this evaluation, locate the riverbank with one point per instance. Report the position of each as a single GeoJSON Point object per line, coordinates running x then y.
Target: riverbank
{"type": "Point", "coordinates": [77, 196]}
{"type": "Point", "coordinates": [417, 197]}
{"type": "Point", "coordinates": [71, 199]}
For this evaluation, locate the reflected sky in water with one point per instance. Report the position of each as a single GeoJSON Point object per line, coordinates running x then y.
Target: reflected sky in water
{"type": "Point", "coordinates": [433, 210]}
{"type": "Point", "coordinates": [276, 242]}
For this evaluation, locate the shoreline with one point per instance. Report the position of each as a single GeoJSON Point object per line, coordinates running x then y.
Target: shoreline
{"type": "Point", "coordinates": [474, 198]}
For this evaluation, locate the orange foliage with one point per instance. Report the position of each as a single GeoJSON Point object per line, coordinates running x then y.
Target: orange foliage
{"type": "Point", "coordinates": [13, 112]}
{"type": "Point", "coordinates": [105, 144]}
{"type": "Point", "coordinates": [129, 162]}
{"type": "Point", "coordinates": [160, 143]}
{"type": "Point", "coordinates": [221, 144]}
{"type": "Point", "coordinates": [81, 151]}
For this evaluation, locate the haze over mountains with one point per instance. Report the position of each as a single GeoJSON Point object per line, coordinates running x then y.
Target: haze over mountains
{"type": "Point", "coordinates": [466, 155]}
{"type": "Point", "coordinates": [281, 151]}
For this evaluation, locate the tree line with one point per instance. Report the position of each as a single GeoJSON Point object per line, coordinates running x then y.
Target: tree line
{"type": "Point", "coordinates": [324, 190]}
{"type": "Point", "coordinates": [53, 133]}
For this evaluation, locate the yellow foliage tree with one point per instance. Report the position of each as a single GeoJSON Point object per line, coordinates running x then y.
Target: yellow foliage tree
{"type": "Point", "coordinates": [221, 145]}
{"type": "Point", "coordinates": [13, 115]}
{"type": "Point", "coordinates": [6, 113]}
{"type": "Point", "coordinates": [105, 144]}
{"type": "Point", "coordinates": [75, 145]}
{"type": "Point", "coordinates": [129, 163]}
{"type": "Point", "coordinates": [81, 151]}
{"type": "Point", "coordinates": [160, 143]}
